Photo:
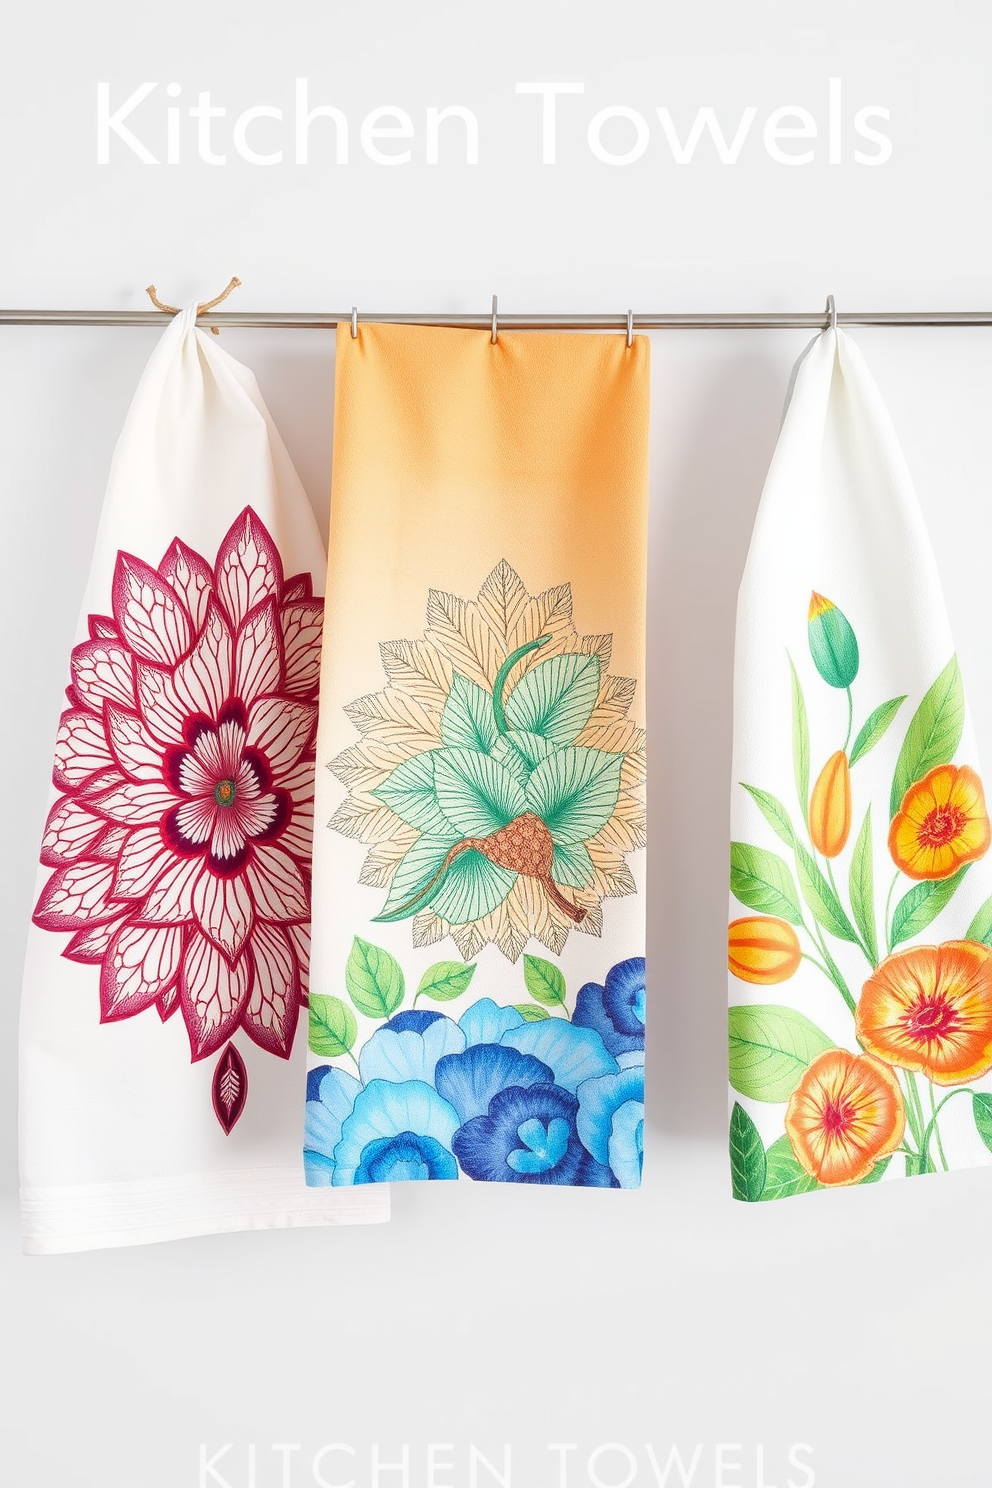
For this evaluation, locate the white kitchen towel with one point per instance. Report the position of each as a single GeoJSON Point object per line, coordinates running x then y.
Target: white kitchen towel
{"type": "Point", "coordinates": [168, 956]}
{"type": "Point", "coordinates": [861, 974]}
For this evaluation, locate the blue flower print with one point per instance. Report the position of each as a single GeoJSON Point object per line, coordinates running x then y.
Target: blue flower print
{"type": "Point", "coordinates": [574, 1054]}
{"type": "Point", "coordinates": [396, 1132]}
{"type": "Point", "coordinates": [529, 1136]}
{"type": "Point", "coordinates": [469, 1081]}
{"type": "Point", "coordinates": [610, 1122]}
{"type": "Point", "coordinates": [616, 1010]}
{"type": "Point", "coordinates": [407, 1054]}
{"type": "Point", "coordinates": [485, 1022]}
{"type": "Point", "coordinates": [331, 1094]}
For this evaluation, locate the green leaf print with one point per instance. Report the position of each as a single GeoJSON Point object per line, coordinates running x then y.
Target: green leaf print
{"type": "Point", "coordinates": [544, 981]}
{"type": "Point", "coordinates": [374, 980]}
{"type": "Point", "coordinates": [556, 697]}
{"type": "Point", "coordinates": [762, 881]}
{"type": "Point", "coordinates": [747, 1157]}
{"type": "Point", "coordinates": [933, 735]}
{"type": "Point", "coordinates": [820, 897]}
{"type": "Point", "coordinates": [923, 903]}
{"type": "Point", "coordinates": [785, 1174]}
{"type": "Point", "coordinates": [862, 889]}
{"type": "Point", "coordinates": [445, 980]}
{"type": "Point", "coordinates": [332, 1026]}
{"type": "Point", "coordinates": [468, 720]}
{"type": "Point", "coordinates": [770, 1047]}
{"type": "Point", "coordinates": [875, 726]}
{"type": "Point", "coordinates": [800, 739]}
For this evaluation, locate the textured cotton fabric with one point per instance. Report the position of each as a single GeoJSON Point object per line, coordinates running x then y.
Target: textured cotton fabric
{"type": "Point", "coordinates": [860, 969]}
{"type": "Point", "coordinates": [478, 979]}
{"type": "Point", "coordinates": [168, 958]}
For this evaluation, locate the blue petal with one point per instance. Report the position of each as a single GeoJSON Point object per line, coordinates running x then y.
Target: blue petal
{"type": "Point", "coordinates": [336, 1095]}
{"type": "Point", "coordinates": [414, 1020]}
{"type": "Point", "coordinates": [470, 1080]}
{"type": "Point", "coordinates": [590, 1012]}
{"type": "Point", "coordinates": [314, 1078]}
{"type": "Point", "coordinates": [407, 1055]}
{"type": "Point", "coordinates": [386, 1109]}
{"type": "Point", "coordinates": [485, 1022]}
{"type": "Point", "coordinates": [543, 1146]}
{"type": "Point", "coordinates": [493, 1148]}
{"type": "Point", "coordinates": [625, 995]}
{"type": "Point", "coordinates": [318, 1170]}
{"type": "Point", "coordinates": [575, 1054]}
{"type": "Point", "coordinates": [405, 1159]}
{"type": "Point", "coordinates": [610, 1122]}
{"type": "Point", "coordinates": [627, 1144]}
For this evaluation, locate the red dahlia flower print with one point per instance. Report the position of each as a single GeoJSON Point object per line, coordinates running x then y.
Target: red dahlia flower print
{"type": "Point", "coordinates": [181, 837]}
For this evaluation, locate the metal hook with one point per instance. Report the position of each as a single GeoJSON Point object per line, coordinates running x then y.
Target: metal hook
{"type": "Point", "coordinates": [495, 326]}
{"type": "Point", "coordinates": [354, 322]}
{"type": "Point", "coordinates": [831, 314]}
{"type": "Point", "coordinates": [630, 327]}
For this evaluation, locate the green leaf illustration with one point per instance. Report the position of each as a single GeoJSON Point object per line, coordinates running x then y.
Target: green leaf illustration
{"type": "Point", "coordinates": [820, 897]}
{"type": "Point", "coordinates": [923, 903]}
{"type": "Point", "coordinates": [774, 813]}
{"type": "Point", "coordinates": [374, 980]}
{"type": "Point", "coordinates": [521, 753]}
{"type": "Point", "coordinates": [572, 865]}
{"type": "Point", "coordinates": [785, 1174]}
{"type": "Point", "coordinates": [762, 881]}
{"type": "Point", "coordinates": [414, 872]}
{"type": "Point", "coordinates": [530, 1012]}
{"type": "Point", "coordinates": [409, 791]}
{"type": "Point", "coordinates": [981, 926]}
{"type": "Point", "coordinates": [832, 643]}
{"type": "Point", "coordinates": [467, 718]}
{"type": "Point", "coordinates": [769, 1049]}
{"type": "Point", "coordinates": [475, 793]}
{"type": "Point", "coordinates": [556, 697]}
{"type": "Point", "coordinates": [471, 889]}
{"type": "Point", "coordinates": [445, 980]}
{"type": "Point", "coordinates": [981, 1109]}
{"type": "Point", "coordinates": [747, 1157]}
{"type": "Point", "coordinates": [800, 739]}
{"type": "Point", "coordinates": [332, 1027]}
{"type": "Point", "coordinates": [933, 735]}
{"type": "Point", "coordinates": [575, 791]}
{"type": "Point", "coordinates": [874, 727]}
{"type": "Point", "coordinates": [544, 981]}
{"type": "Point", "coordinates": [862, 889]}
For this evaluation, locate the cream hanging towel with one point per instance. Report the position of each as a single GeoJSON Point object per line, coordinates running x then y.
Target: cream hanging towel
{"type": "Point", "coordinates": [478, 1004]}
{"type": "Point", "coordinates": [861, 974]}
{"type": "Point", "coordinates": [168, 958]}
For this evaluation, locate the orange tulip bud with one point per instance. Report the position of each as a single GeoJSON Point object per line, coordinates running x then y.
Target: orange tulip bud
{"type": "Point", "coordinates": [830, 806]}
{"type": "Point", "coordinates": [763, 950]}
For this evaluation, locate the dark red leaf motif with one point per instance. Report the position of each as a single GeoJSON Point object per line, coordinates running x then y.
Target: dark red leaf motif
{"type": "Point", "coordinates": [230, 1088]}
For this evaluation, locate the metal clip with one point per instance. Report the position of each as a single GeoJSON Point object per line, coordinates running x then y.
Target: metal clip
{"type": "Point", "coordinates": [630, 328]}
{"type": "Point", "coordinates": [495, 337]}
{"type": "Point", "coordinates": [831, 324]}
{"type": "Point", "coordinates": [354, 322]}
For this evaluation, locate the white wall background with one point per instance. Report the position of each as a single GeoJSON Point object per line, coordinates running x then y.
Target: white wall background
{"type": "Point", "coordinates": [856, 1322]}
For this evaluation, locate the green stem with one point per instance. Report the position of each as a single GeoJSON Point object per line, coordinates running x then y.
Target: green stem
{"type": "Point", "coordinates": [833, 970]}
{"type": "Point", "coordinates": [932, 1127]}
{"type": "Point", "coordinates": [888, 922]}
{"type": "Point", "coordinates": [850, 719]}
{"type": "Point", "coordinates": [818, 964]}
{"type": "Point", "coordinates": [504, 672]}
{"type": "Point", "coordinates": [914, 1121]}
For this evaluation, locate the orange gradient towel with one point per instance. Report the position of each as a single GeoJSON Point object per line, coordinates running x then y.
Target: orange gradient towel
{"type": "Point", "coordinates": [478, 961]}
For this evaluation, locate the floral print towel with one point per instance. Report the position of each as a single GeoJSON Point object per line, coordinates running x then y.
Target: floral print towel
{"type": "Point", "coordinates": [169, 953]}
{"type": "Point", "coordinates": [478, 998]}
{"type": "Point", "coordinates": [861, 916]}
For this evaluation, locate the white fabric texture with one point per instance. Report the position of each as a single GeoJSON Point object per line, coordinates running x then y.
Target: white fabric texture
{"type": "Point", "coordinates": [860, 974]}
{"type": "Point", "coordinates": [167, 962]}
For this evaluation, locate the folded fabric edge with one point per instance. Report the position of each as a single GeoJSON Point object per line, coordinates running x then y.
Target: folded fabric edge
{"type": "Point", "coordinates": [57, 1220]}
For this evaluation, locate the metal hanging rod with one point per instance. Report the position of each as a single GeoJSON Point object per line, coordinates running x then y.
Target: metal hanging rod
{"type": "Point", "coordinates": [651, 321]}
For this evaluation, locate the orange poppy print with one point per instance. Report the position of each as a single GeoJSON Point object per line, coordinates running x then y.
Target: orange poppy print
{"type": "Point", "coordinates": [930, 1009]}
{"type": "Point", "coordinates": [941, 825]}
{"type": "Point", "coordinates": [846, 1112]}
